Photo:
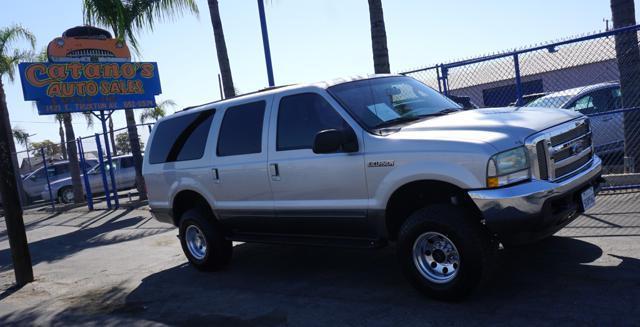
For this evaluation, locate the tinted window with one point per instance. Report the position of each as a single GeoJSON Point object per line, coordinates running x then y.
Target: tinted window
{"type": "Point", "coordinates": [595, 102]}
{"type": "Point", "coordinates": [61, 169]}
{"type": "Point", "coordinates": [126, 162]}
{"type": "Point", "coordinates": [301, 117]}
{"type": "Point", "coordinates": [241, 130]}
{"type": "Point", "coordinates": [181, 138]}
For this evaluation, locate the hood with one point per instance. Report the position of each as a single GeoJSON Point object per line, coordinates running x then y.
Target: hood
{"type": "Point", "coordinates": [503, 128]}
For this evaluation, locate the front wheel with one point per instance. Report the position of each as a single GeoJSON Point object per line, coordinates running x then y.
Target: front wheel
{"type": "Point", "coordinates": [444, 252]}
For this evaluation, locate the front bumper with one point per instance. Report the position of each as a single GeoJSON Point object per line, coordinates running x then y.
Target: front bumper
{"type": "Point", "coordinates": [530, 211]}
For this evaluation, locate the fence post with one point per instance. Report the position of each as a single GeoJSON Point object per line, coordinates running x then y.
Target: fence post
{"type": "Point", "coordinates": [110, 162]}
{"type": "Point", "coordinates": [104, 173]}
{"type": "Point", "coordinates": [46, 174]}
{"type": "Point", "coordinates": [516, 66]}
{"type": "Point", "coordinates": [87, 185]}
{"type": "Point", "coordinates": [438, 78]}
{"type": "Point", "coordinates": [445, 76]}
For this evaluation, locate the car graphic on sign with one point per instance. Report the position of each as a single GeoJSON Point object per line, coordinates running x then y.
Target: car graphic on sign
{"type": "Point", "coordinates": [87, 44]}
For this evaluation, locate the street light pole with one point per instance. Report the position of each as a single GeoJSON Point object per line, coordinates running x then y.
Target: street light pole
{"type": "Point", "coordinates": [265, 42]}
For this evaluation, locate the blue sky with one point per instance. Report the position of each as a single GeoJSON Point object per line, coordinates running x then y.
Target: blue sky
{"type": "Point", "coordinates": [310, 41]}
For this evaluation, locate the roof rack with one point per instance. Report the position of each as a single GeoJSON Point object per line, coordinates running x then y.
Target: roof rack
{"type": "Point", "coordinates": [238, 96]}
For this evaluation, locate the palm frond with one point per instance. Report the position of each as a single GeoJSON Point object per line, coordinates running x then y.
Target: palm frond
{"type": "Point", "coordinates": [127, 17]}
{"type": "Point", "coordinates": [9, 35]}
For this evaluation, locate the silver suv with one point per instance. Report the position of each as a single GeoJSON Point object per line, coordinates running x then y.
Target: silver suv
{"type": "Point", "coordinates": [364, 161]}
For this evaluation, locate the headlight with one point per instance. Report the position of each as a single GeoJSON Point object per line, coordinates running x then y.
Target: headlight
{"type": "Point", "coordinates": [60, 42]}
{"type": "Point", "coordinates": [508, 167]}
{"type": "Point", "coordinates": [119, 44]}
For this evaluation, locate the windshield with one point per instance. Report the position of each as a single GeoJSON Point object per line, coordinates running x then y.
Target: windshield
{"type": "Point", "coordinates": [387, 101]}
{"type": "Point", "coordinates": [550, 101]}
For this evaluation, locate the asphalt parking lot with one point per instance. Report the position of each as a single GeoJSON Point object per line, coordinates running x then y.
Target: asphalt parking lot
{"type": "Point", "coordinates": [115, 267]}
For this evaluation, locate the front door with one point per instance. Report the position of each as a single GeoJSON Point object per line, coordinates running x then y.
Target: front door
{"type": "Point", "coordinates": [314, 194]}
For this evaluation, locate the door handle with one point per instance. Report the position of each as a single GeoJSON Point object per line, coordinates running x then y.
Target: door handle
{"type": "Point", "coordinates": [274, 170]}
{"type": "Point", "coordinates": [215, 175]}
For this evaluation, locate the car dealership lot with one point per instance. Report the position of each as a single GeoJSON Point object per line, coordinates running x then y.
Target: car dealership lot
{"type": "Point", "coordinates": [121, 266]}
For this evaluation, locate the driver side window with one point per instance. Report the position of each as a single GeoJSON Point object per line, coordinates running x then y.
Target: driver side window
{"type": "Point", "coordinates": [301, 117]}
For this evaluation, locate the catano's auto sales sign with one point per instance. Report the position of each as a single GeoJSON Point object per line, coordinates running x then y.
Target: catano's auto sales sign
{"type": "Point", "coordinates": [79, 86]}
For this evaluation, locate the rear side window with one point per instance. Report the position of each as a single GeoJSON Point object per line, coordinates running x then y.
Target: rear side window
{"type": "Point", "coordinates": [126, 162]}
{"type": "Point", "coordinates": [182, 138]}
{"type": "Point", "coordinates": [241, 130]}
{"type": "Point", "coordinates": [301, 117]}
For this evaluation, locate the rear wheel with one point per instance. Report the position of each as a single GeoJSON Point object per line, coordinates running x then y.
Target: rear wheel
{"type": "Point", "coordinates": [203, 241]}
{"type": "Point", "coordinates": [444, 253]}
{"type": "Point", "coordinates": [65, 195]}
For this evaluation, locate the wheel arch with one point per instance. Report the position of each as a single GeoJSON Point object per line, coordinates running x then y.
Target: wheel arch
{"type": "Point", "coordinates": [416, 194]}
{"type": "Point", "coordinates": [188, 199]}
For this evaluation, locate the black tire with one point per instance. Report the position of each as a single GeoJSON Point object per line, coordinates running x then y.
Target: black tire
{"type": "Point", "coordinates": [475, 248]}
{"type": "Point", "coordinates": [62, 195]}
{"type": "Point", "coordinates": [218, 250]}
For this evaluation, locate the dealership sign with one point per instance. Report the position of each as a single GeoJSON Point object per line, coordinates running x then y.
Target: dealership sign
{"type": "Point", "coordinates": [92, 86]}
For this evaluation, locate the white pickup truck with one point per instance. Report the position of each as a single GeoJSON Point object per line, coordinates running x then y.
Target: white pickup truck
{"type": "Point", "coordinates": [365, 161]}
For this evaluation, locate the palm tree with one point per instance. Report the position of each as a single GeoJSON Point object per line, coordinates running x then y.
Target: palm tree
{"type": "Point", "coordinates": [221, 50]}
{"type": "Point", "coordinates": [628, 56]}
{"type": "Point", "coordinates": [126, 18]}
{"type": "Point", "coordinates": [22, 137]}
{"type": "Point", "coordinates": [378, 38]}
{"type": "Point", "coordinates": [63, 144]}
{"type": "Point", "coordinates": [157, 112]}
{"type": "Point", "coordinates": [9, 187]}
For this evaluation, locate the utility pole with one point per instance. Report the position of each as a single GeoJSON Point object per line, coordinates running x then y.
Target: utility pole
{"type": "Point", "coordinates": [265, 42]}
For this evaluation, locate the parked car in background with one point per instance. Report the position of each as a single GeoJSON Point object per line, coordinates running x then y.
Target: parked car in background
{"type": "Point", "coordinates": [87, 44]}
{"type": "Point", "coordinates": [526, 99]}
{"type": "Point", "coordinates": [125, 175]}
{"type": "Point", "coordinates": [595, 101]}
{"type": "Point", "coordinates": [35, 181]}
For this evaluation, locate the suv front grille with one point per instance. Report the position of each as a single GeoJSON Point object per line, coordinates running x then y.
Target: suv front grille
{"type": "Point", "coordinates": [563, 150]}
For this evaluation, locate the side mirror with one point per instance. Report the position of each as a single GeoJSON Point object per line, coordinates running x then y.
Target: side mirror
{"type": "Point", "coordinates": [332, 140]}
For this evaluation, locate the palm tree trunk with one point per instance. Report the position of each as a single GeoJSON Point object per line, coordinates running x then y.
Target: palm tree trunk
{"type": "Point", "coordinates": [72, 154]}
{"type": "Point", "coordinates": [114, 149]}
{"type": "Point", "coordinates": [221, 50]}
{"type": "Point", "coordinates": [10, 192]}
{"type": "Point", "coordinates": [63, 146]}
{"type": "Point", "coordinates": [378, 38]}
{"type": "Point", "coordinates": [134, 141]}
{"type": "Point", "coordinates": [628, 55]}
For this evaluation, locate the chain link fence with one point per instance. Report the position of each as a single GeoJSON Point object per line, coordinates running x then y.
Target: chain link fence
{"type": "Point", "coordinates": [592, 74]}
{"type": "Point", "coordinates": [46, 169]}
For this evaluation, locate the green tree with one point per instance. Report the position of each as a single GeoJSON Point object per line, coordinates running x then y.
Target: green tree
{"type": "Point", "coordinates": [51, 149]}
{"type": "Point", "coordinates": [157, 112]}
{"type": "Point", "coordinates": [9, 187]}
{"type": "Point", "coordinates": [378, 38]}
{"type": "Point", "coordinates": [126, 18]}
{"type": "Point", "coordinates": [21, 136]}
{"type": "Point", "coordinates": [221, 50]}
{"type": "Point", "coordinates": [628, 57]}
{"type": "Point", "coordinates": [122, 141]}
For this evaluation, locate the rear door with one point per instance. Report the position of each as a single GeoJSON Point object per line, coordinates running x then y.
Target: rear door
{"type": "Point", "coordinates": [125, 173]}
{"type": "Point", "coordinates": [239, 178]}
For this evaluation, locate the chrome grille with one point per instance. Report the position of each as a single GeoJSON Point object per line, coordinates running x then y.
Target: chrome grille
{"type": "Point", "coordinates": [561, 151]}
{"type": "Point", "coordinates": [90, 53]}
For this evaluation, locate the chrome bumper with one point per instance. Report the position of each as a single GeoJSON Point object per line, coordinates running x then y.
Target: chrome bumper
{"type": "Point", "coordinates": [535, 209]}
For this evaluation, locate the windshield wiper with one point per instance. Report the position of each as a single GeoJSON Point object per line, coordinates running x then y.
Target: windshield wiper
{"type": "Point", "coordinates": [407, 119]}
